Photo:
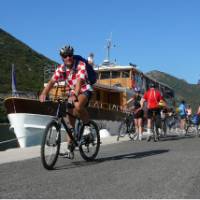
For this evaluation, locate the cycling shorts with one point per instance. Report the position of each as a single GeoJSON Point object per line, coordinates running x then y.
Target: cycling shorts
{"type": "Point", "coordinates": [88, 94]}
{"type": "Point", "coordinates": [183, 116]}
{"type": "Point", "coordinates": [139, 114]}
{"type": "Point", "coordinates": [151, 111]}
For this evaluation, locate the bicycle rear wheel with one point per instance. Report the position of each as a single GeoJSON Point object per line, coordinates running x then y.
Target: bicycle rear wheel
{"type": "Point", "coordinates": [164, 128]}
{"type": "Point", "coordinates": [156, 134]}
{"type": "Point", "coordinates": [89, 141]}
{"type": "Point", "coordinates": [122, 130]}
{"type": "Point", "coordinates": [50, 146]}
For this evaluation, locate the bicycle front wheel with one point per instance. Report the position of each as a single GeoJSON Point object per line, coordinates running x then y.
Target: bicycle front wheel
{"type": "Point", "coordinates": [122, 130]}
{"type": "Point", "coordinates": [89, 141]}
{"type": "Point", "coordinates": [50, 145]}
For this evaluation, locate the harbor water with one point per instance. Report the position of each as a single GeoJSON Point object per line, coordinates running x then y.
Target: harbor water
{"type": "Point", "coordinates": [5, 135]}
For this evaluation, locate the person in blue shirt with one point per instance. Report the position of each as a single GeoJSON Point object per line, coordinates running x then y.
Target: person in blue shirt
{"type": "Point", "coordinates": [182, 114]}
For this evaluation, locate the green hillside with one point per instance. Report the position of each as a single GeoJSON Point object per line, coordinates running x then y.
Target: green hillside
{"type": "Point", "coordinates": [28, 64]}
{"type": "Point", "coordinates": [183, 90]}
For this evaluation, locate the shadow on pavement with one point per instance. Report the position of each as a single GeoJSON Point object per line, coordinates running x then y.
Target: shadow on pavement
{"type": "Point", "coordinates": [111, 158]}
{"type": "Point", "coordinates": [175, 137]}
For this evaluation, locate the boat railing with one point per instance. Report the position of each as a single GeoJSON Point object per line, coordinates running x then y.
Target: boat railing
{"type": "Point", "coordinates": [105, 106]}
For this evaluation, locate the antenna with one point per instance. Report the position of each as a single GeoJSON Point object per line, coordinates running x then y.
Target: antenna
{"type": "Point", "coordinates": [108, 47]}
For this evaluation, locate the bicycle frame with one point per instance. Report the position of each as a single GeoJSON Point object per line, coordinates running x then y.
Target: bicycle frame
{"type": "Point", "coordinates": [60, 113]}
{"type": "Point", "coordinates": [129, 119]}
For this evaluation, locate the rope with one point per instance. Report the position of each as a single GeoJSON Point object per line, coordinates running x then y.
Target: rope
{"type": "Point", "coordinates": [16, 139]}
{"type": "Point", "coordinates": [7, 141]}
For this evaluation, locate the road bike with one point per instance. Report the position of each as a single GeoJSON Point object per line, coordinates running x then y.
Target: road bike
{"type": "Point", "coordinates": [127, 127]}
{"type": "Point", "coordinates": [86, 137]}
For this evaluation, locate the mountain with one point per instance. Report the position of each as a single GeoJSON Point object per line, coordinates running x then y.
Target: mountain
{"type": "Point", "coordinates": [28, 64]}
{"type": "Point", "coordinates": [183, 90]}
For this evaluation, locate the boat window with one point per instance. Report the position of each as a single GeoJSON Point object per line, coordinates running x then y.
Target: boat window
{"type": "Point", "coordinates": [105, 75]}
{"type": "Point", "coordinates": [125, 74]}
{"type": "Point", "coordinates": [115, 74]}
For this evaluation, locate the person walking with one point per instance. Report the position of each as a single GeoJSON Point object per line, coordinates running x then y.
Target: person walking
{"type": "Point", "coordinates": [183, 115]}
{"type": "Point", "coordinates": [138, 112]}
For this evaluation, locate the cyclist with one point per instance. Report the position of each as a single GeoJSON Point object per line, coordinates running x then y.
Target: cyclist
{"type": "Point", "coordinates": [138, 112]}
{"type": "Point", "coordinates": [80, 91]}
{"type": "Point", "coordinates": [152, 96]}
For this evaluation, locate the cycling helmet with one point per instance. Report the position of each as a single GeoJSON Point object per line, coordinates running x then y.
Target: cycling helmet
{"type": "Point", "coordinates": [137, 89]}
{"type": "Point", "coordinates": [66, 51]}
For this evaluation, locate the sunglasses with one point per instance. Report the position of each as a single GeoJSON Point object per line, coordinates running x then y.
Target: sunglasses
{"type": "Point", "coordinates": [67, 55]}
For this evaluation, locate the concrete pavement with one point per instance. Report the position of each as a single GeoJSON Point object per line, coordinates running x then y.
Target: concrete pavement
{"type": "Point", "coordinates": [17, 154]}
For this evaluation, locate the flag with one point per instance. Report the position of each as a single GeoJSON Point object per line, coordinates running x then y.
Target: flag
{"type": "Point", "coordinates": [14, 90]}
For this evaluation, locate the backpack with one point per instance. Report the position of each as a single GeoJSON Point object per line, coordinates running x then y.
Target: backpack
{"type": "Point", "coordinates": [195, 119]}
{"type": "Point", "coordinates": [92, 76]}
{"type": "Point", "coordinates": [152, 97]}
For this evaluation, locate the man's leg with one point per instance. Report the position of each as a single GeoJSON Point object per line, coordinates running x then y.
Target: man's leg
{"type": "Point", "coordinates": [136, 129]}
{"type": "Point", "coordinates": [140, 128]}
{"type": "Point", "coordinates": [149, 125]}
{"type": "Point", "coordinates": [80, 109]}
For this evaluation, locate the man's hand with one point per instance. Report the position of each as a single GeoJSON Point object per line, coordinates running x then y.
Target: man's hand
{"type": "Point", "coordinates": [42, 98]}
{"type": "Point", "coordinates": [46, 90]}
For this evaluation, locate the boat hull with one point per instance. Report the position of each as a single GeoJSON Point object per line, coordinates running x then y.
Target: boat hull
{"type": "Point", "coordinates": [28, 118]}
{"type": "Point", "coordinates": [28, 128]}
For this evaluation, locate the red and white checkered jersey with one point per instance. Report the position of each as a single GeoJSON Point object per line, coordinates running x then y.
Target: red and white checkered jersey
{"type": "Point", "coordinates": [63, 73]}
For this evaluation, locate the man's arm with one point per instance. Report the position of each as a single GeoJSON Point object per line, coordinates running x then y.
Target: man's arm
{"type": "Point", "coordinates": [46, 90]}
{"type": "Point", "coordinates": [81, 77]}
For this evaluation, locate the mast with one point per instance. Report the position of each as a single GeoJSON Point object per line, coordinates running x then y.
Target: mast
{"type": "Point", "coordinates": [13, 78]}
{"type": "Point", "coordinates": [108, 47]}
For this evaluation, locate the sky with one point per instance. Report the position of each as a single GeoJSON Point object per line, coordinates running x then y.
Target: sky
{"type": "Point", "coordinates": [159, 35]}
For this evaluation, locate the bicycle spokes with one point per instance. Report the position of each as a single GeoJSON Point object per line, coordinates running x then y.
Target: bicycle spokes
{"type": "Point", "coordinates": [50, 145]}
{"type": "Point", "coordinates": [90, 141]}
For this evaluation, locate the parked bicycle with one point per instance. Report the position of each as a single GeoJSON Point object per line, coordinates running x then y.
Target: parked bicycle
{"type": "Point", "coordinates": [192, 125]}
{"type": "Point", "coordinates": [173, 122]}
{"type": "Point", "coordinates": [127, 127]}
{"type": "Point", "coordinates": [86, 137]}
